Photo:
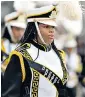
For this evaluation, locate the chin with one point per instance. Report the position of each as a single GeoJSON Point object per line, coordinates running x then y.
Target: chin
{"type": "Point", "coordinates": [50, 42]}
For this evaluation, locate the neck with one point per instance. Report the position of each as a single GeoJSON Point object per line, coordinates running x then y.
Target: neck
{"type": "Point", "coordinates": [41, 46]}
{"type": "Point", "coordinates": [39, 41]}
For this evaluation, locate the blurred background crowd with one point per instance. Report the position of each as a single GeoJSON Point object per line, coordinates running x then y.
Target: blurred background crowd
{"type": "Point", "coordinates": [69, 36]}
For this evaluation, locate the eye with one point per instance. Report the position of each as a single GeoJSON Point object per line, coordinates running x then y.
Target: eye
{"type": "Point", "coordinates": [46, 26]}
{"type": "Point", "coordinates": [53, 27]}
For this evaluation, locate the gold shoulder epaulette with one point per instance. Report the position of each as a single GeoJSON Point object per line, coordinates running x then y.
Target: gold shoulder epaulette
{"type": "Point", "coordinates": [6, 62]}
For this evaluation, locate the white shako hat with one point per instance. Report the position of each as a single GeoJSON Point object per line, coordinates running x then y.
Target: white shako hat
{"type": "Point", "coordinates": [15, 19]}
{"type": "Point", "coordinates": [46, 15]}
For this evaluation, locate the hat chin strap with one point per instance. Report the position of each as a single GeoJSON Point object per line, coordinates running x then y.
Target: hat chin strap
{"type": "Point", "coordinates": [39, 33]}
{"type": "Point", "coordinates": [10, 32]}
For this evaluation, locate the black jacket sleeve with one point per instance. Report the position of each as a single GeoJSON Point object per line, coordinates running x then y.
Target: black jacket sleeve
{"type": "Point", "coordinates": [12, 78]}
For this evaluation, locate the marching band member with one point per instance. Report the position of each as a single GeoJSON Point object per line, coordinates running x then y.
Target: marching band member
{"type": "Point", "coordinates": [15, 25]}
{"type": "Point", "coordinates": [36, 68]}
{"type": "Point", "coordinates": [74, 66]}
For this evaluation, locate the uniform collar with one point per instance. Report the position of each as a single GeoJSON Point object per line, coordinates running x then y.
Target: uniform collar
{"type": "Point", "coordinates": [41, 46]}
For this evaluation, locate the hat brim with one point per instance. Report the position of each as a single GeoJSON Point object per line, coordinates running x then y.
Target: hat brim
{"type": "Point", "coordinates": [18, 24]}
{"type": "Point", "coordinates": [47, 21]}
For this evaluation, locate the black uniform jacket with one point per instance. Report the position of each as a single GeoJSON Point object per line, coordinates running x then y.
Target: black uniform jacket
{"type": "Point", "coordinates": [17, 77]}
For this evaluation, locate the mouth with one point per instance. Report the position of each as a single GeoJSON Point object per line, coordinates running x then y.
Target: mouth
{"type": "Point", "coordinates": [51, 36]}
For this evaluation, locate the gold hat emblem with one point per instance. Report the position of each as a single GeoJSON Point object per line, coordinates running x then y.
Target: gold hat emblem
{"type": "Point", "coordinates": [53, 14]}
{"type": "Point", "coordinates": [21, 18]}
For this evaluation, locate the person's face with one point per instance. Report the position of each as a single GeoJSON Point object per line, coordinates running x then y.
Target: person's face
{"type": "Point", "coordinates": [17, 33]}
{"type": "Point", "coordinates": [47, 33]}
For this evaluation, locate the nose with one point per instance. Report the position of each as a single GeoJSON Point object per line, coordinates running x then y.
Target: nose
{"type": "Point", "coordinates": [51, 30]}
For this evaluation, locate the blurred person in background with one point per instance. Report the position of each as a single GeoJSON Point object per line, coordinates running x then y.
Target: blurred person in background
{"type": "Point", "coordinates": [37, 67]}
{"type": "Point", "coordinates": [15, 24]}
{"type": "Point", "coordinates": [74, 66]}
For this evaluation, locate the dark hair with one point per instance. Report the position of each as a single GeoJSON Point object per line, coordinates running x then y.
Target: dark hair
{"type": "Point", "coordinates": [6, 34]}
{"type": "Point", "coordinates": [30, 33]}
